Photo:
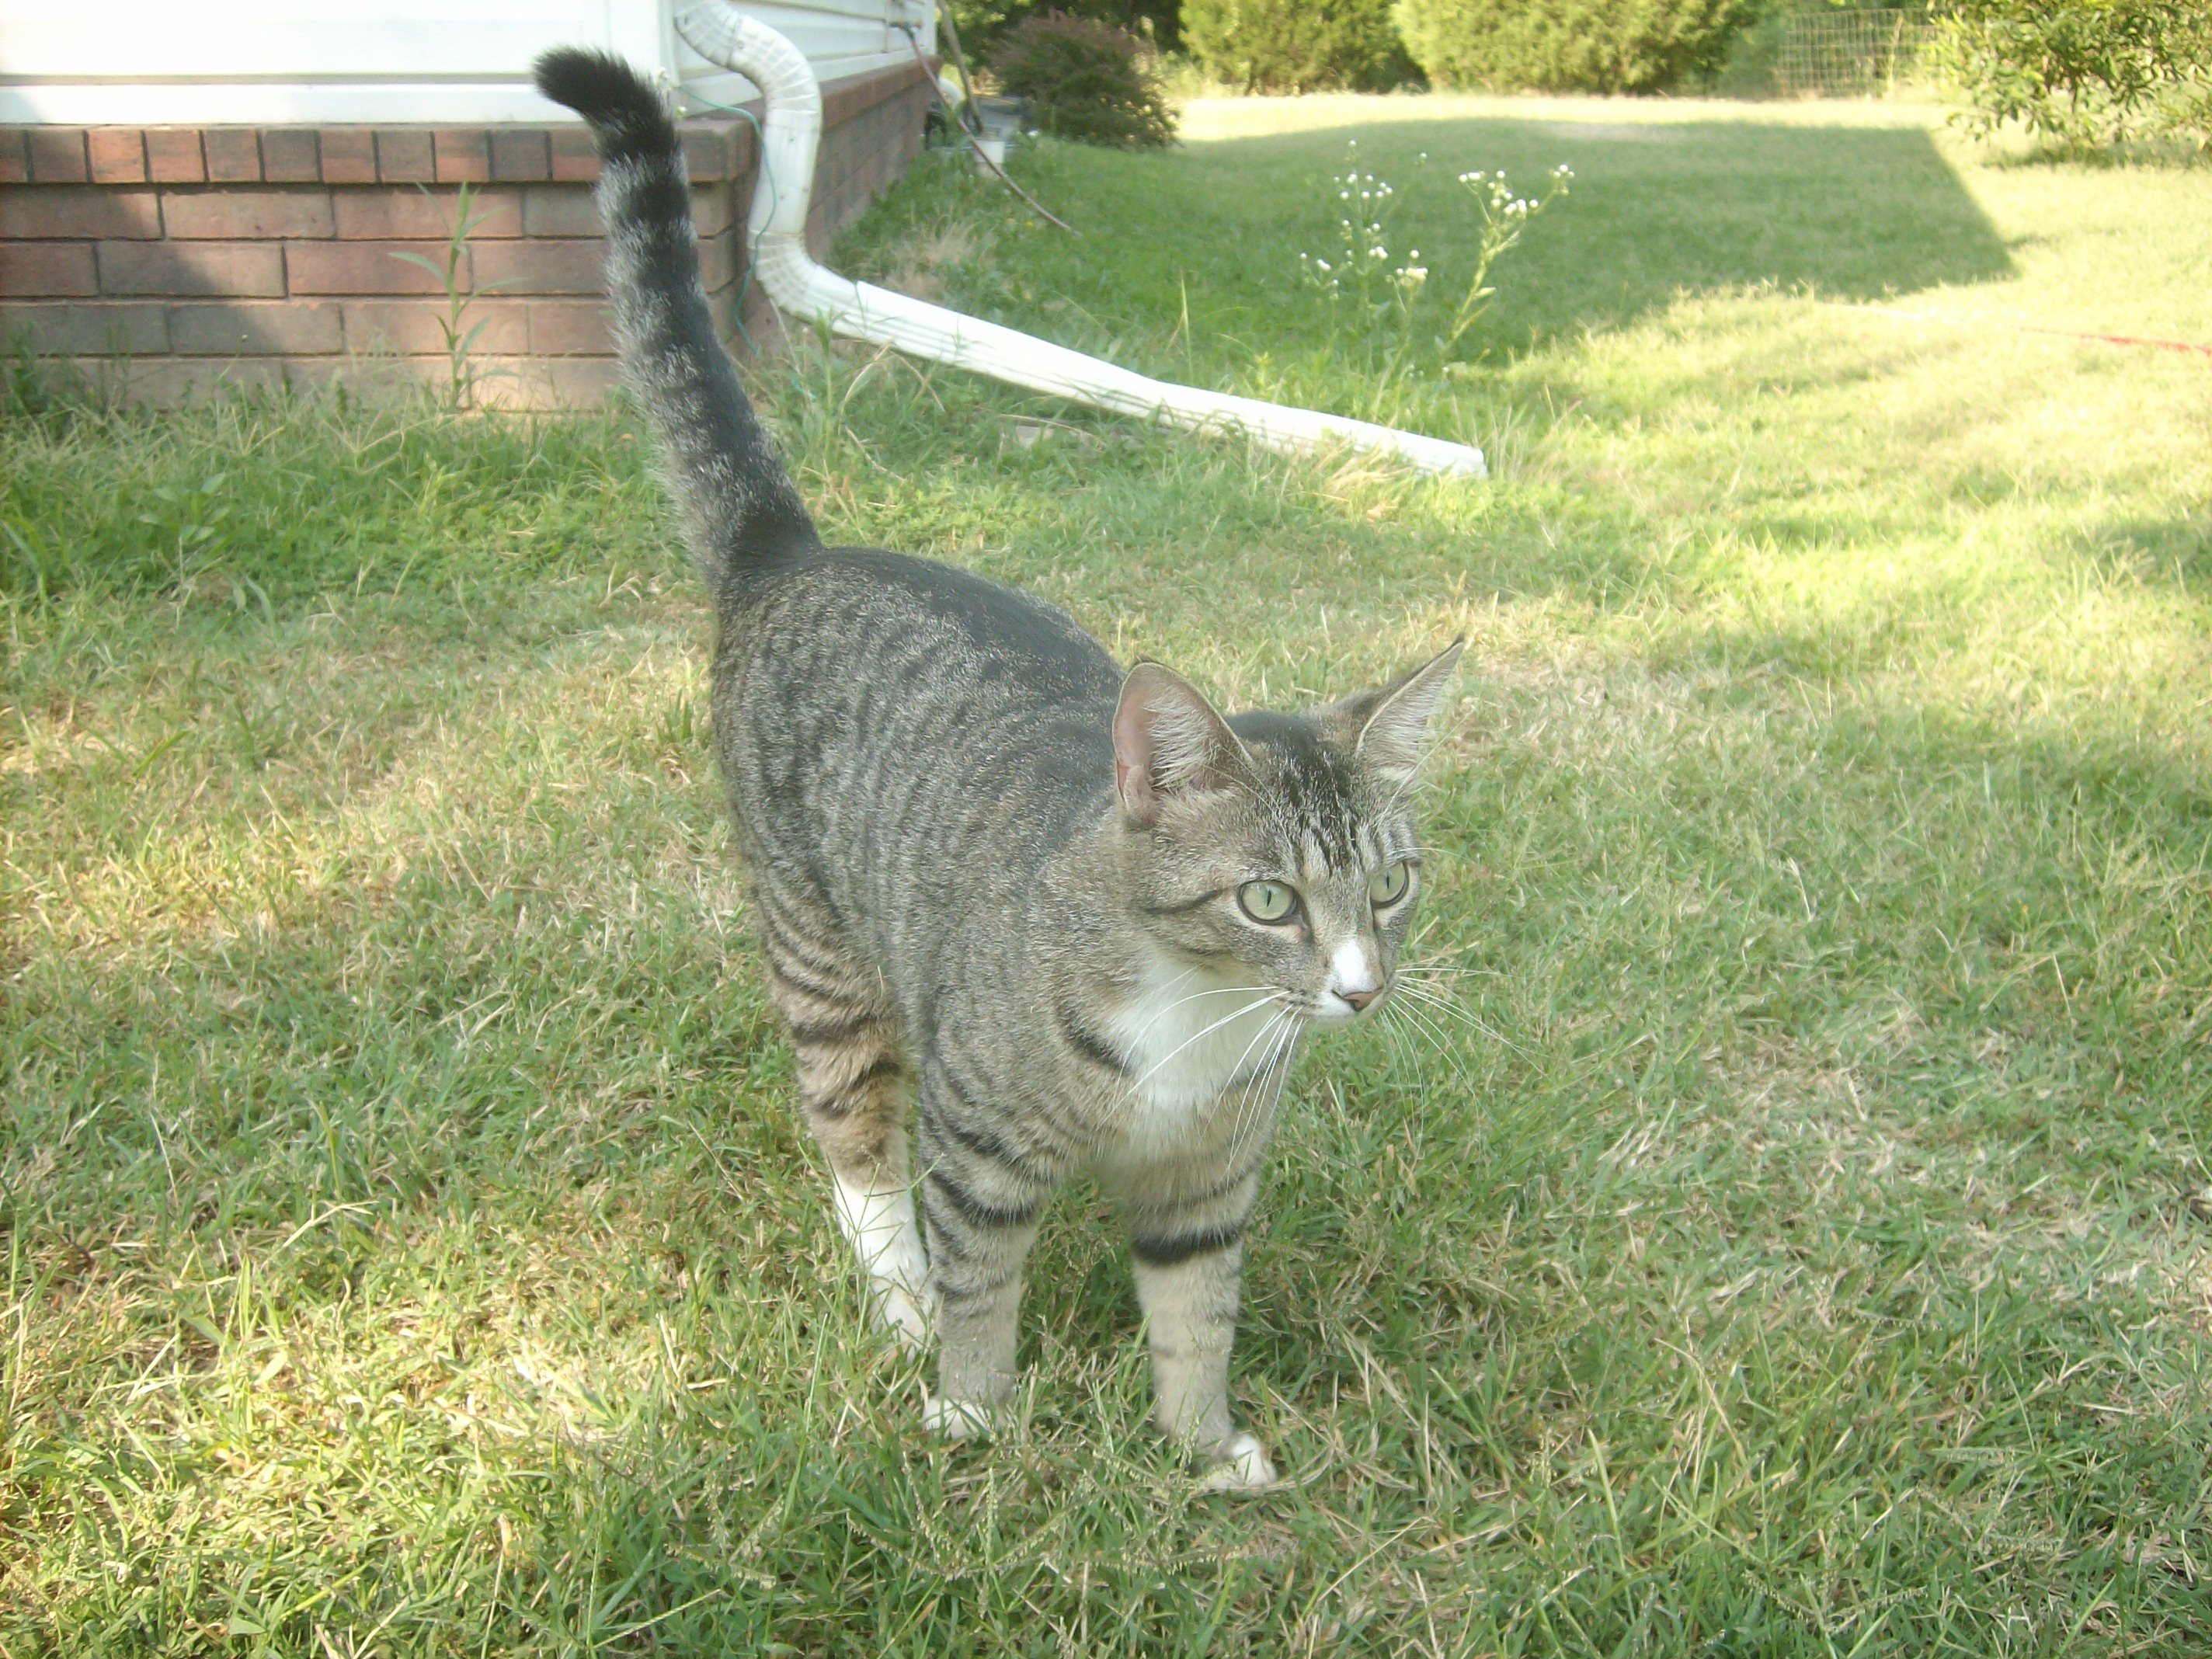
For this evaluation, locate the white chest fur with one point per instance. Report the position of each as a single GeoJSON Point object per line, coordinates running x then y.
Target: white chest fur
{"type": "Point", "coordinates": [1190, 1036]}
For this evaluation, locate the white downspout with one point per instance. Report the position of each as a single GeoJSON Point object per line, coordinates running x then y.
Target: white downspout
{"type": "Point", "coordinates": [777, 228]}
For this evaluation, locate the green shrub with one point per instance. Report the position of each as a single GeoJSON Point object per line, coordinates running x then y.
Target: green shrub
{"type": "Point", "coordinates": [1084, 80]}
{"type": "Point", "coordinates": [2075, 70]}
{"type": "Point", "coordinates": [1580, 46]}
{"type": "Point", "coordinates": [1295, 46]}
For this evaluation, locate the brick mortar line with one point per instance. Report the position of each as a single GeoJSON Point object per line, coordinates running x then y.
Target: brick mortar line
{"type": "Point", "coordinates": [181, 332]}
{"type": "Point", "coordinates": [353, 153]}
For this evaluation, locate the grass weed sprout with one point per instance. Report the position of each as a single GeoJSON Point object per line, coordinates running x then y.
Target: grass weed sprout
{"type": "Point", "coordinates": [455, 273]}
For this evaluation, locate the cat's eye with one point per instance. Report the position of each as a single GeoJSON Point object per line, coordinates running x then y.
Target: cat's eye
{"type": "Point", "coordinates": [1388, 884]}
{"type": "Point", "coordinates": [1268, 900]}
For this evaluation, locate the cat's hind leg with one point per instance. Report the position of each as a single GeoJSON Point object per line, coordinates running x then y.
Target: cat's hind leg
{"type": "Point", "coordinates": [980, 1199]}
{"type": "Point", "coordinates": [852, 1091]}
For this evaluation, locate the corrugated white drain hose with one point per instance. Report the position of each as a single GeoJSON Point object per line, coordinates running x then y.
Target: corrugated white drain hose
{"type": "Point", "coordinates": [777, 227]}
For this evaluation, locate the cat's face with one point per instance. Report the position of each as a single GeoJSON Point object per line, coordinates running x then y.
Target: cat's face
{"type": "Point", "coordinates": [1277, 849]}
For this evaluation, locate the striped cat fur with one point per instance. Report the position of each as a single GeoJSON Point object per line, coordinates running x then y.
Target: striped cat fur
{"type": "Point", "coordinates": [1058, 918]}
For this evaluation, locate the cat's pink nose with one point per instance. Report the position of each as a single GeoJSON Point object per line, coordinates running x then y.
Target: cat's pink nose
{"type": "Point", "coordinates": [1359, 1000]}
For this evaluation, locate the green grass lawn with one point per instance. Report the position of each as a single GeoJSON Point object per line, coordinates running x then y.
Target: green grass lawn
{"type": "Point", "coordinates": [1793, 1239]}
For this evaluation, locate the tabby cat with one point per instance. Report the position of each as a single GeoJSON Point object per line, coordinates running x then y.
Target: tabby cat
{"type": "Point", "coordinates": [1075, 917]}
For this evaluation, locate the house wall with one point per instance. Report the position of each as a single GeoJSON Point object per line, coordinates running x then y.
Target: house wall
{"type": "Point", "coordinates": [180, 258]}
{"type": "Point", "coordinates": [302, 63]}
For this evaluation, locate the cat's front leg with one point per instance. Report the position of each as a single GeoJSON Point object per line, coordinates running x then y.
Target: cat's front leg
{"type": "Point", "coordinates": [1189, 1268]}
{"type": "Point", "coordinates": [979, 1211]}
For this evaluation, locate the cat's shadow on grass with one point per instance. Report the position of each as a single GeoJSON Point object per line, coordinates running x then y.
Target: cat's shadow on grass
{"type": "Point", "coordinates": [1659, 209]}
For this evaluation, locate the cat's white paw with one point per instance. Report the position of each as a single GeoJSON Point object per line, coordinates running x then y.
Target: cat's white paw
{"type": "Point", "coordinates": [1242, 1465]}
{"type": "Point", "coordinates": [905, 1314]}
{"type": "Point", "coordinates": [881, 1228]}
{"type": "Point", "coordinates": [956, 1420]}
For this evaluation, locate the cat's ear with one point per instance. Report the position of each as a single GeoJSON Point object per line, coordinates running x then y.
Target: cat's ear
{"type": "Point", "coordinates": [1390, 724]}
{"type": "Point", "coordinates": [1168, 740]}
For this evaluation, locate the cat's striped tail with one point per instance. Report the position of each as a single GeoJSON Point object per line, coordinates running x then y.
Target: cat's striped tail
{"type": "Point", "coordinates": [741, 510]}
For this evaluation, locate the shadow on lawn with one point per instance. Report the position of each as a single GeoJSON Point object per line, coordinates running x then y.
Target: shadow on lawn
{"type": "Point", "coordinates": [1656, 210]}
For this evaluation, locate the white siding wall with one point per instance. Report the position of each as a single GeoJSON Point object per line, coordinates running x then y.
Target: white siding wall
{"type": "Point", "coordinates": [839, 37]}
{"type": "Point", "coordinates": [150, 63]}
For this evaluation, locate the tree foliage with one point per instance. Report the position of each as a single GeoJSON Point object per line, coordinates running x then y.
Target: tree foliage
{"type": "Point", "coordinates": [1295, 46]}
{"type": "Point", "coordinates": [1583, 45]}
{"type": "Point", "coordinates": [2079, 71]}
{"type": "Point", "coordinates": [983, 23]}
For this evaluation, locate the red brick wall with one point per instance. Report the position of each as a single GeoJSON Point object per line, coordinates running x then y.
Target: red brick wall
{"type": "Point", "coordinates": [188, 257]}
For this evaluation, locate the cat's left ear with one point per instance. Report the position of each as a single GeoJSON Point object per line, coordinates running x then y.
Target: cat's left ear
{"type": "Point", "coordinates": [1390, 723]}
{"type": "Point", "coordinates": [1170, 741]}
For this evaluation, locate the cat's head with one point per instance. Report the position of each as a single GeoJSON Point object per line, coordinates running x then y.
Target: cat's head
{"type": "Point", "coordinates": [1278, 848]}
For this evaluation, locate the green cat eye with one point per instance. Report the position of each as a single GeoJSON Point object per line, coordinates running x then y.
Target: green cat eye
{"type": "Point", "coordinates": [1389, 884]}
{"type": "Point", "coordinates": [1268, 900]}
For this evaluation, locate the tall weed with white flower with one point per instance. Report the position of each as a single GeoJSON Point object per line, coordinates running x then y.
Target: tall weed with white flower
{"type": "Point", "coordinates": [1365, 292]}
{"type": "Point", "coordinates": [1381, 302]}
{"type": "Point", "coordinates": [1504, 216]}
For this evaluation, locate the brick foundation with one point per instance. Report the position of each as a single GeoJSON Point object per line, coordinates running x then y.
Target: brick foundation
{"type": "Point", "coordinates": [192, 258]}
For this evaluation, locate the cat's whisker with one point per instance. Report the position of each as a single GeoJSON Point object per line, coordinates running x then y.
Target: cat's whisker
{"type": "Point", "coordinates": [1269, 1033]}
{"type": "Point", "coordinates": [1216, 991]}
{"type": "Point", "coordinates": [1446, 1003]}
{"type": "Point", "coordinates": [1422, 1048]}
{"type": "Point", "coordinates": [1427, 996]}
{"type": "Point", "coordinates": [1145, 1031]}
{"type": "Point", "coordinates": [1418, 1015]}
{"type": "Point", "coordinates": [1210, 991]}
{"type": "Point", "coordinates": [1268, 1091]}
{"type": "Point", "coordinates": [1262, 1034]}
{"type": "Point", "coordinates": [1421, 973]}
{"type": "Point", "coordinates": [1393, 1033]}
{"type": "Point", "coordinates": [1411, 981]}
{"type": "Point", "coordinates": [1429, 999]}
{"type": "Point", "coordinates": [1225, 1019]}
{"type": "Point", "coordinates": [1244, 1091]}
{"type": "Point", "coordinates": [1256, 1092]}
{"type": "Point", "coordinates": [1415, 976]}
{"type": "Point", "coordinates": [1410, 1038]}
{"type": "Point", "coordinates": [1442, 1007]}
{"type": "Point", "coordinates": [1436, 1034]}
{"type": "Point", "coordinates": [1394, 1021]}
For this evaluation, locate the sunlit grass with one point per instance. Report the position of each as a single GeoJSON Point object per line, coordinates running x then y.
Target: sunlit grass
{"type": "Point", "coordinates": [1782, 1242]}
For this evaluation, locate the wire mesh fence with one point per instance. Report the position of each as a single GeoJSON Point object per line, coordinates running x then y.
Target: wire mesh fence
{"type": "Point", "coordinates": [1850, 54]}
